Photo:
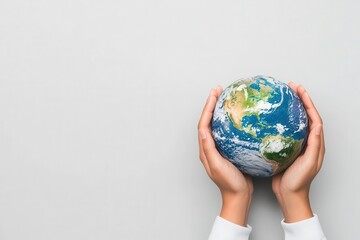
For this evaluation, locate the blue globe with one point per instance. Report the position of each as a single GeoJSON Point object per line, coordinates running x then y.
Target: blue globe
{"type": "Point", "coordinates": [260, 125]}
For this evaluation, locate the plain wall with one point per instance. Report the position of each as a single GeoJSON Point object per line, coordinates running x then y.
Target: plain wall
{"type": "Point", "coordinates": [100, 100]}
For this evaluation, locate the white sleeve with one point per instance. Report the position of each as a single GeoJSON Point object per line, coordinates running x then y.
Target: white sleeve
{"type": "Point", "coordinates": [309, 229]}
{"type": "Point", "coordinates": [226, 230]}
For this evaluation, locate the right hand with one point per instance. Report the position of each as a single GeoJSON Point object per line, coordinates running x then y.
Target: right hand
{"type": "Point", "coordinates": [236, 188]}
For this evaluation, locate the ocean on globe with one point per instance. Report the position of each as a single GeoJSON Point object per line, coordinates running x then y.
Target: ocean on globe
{"type": "Point", "coordinates": [260, 125]}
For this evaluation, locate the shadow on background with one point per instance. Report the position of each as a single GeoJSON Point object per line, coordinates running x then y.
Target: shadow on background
{"type": "Point", "coordinates": [264, 207]}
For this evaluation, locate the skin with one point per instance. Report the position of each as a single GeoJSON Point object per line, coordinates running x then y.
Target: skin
{"type": "Point", "coordinates": [291, 187]}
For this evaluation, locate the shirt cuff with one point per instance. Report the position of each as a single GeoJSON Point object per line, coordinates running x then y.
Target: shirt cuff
{"type": "Point", "coordinates": [226, 230]}
{"type": "Point", "coordinates": [309, 229]}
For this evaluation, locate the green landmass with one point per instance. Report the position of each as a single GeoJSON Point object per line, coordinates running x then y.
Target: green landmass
{"type": "Point", "coordinates": [243, 100]}
{"type": "Point", "coordinates": [283, 157]}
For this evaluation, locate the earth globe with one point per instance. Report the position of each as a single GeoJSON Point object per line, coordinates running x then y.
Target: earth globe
{"type": "Point", "coordinates": [260, 125]}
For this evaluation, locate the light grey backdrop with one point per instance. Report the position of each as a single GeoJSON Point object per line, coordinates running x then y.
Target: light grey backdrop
{"type": "Point", "coordinates": [99, 104]}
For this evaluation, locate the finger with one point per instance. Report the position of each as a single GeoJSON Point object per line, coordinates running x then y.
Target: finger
{"type": "Point", "coordinates": [322, 151]}
{"type": "Point", "coordinates": [202, 155]}
{"type": "Point", "coordinates": [313, 146]}
{"type": "Point", "coordinates": [213, 157]}
{"type": "Point", "coordinates": [310, 107]}
{"type": "Point", "coordinates": [208, 110]}
{"type": "Point", "coordinates": [293, 86]}
{"type": "Point", "coordinates": [219, 90]}
{"type": "Point", "coordinates": [203, 124]}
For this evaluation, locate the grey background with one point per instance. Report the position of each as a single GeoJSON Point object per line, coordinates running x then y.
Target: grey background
{"type": "Point", "coordinates": [99, 104]}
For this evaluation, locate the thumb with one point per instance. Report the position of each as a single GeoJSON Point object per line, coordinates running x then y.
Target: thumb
{"type": "Point", "coordinates": [213, 156]}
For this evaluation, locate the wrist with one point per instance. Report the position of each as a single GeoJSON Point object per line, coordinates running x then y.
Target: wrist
{"type": "Point", "coordinates": [295, 206]}
{"type": "Point", "coordinates": [235, 207]}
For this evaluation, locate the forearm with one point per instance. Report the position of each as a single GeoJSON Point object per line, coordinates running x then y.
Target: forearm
{"type": "Point", "coordinates": [235, 208]}
{"type": "Point", "coordinates": [295, 206]}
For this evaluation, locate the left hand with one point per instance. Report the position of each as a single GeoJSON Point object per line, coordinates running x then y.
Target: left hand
{"type": "Point", "coordinates": [235, 187]}
{"type": "Point", "coordinates": [292, 186]}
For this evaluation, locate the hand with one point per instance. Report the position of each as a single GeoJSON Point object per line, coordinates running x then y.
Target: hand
{"type": "Point", "coordinates": [236, 189]}
{"type": "Point", "coordinates": [292, 186]}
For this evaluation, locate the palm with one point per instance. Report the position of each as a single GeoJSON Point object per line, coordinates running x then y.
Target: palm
{"type": "Point", "coordinates": [231, 178]}
{"type": "Point", "coordinates": [293, 178]}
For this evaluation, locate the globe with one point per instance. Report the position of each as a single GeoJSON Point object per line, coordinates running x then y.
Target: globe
{"type": "Point", "coordinates": [260, 125]}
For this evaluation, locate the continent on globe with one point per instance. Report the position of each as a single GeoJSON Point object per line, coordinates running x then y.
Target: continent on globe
{"type": "Point", "coordinates": [260, 125]}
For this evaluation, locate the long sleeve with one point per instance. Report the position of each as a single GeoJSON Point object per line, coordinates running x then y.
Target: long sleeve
{"type": "Point", "coordinates": [225, 230]}
{"type": "Point", "coordinates": [309, 229]}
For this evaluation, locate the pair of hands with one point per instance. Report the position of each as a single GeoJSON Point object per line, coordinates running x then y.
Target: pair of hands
{"type": "Point", "coordinates": [291, 187]}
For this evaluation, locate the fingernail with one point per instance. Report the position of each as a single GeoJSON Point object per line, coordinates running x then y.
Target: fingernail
{"type": "Point", "coordinates": [318, 130]}
{"type": "Point", "coordinates": [202, 134]}
{"type": "Point", "coordinates": [208, 98]}
{"type": "Point", "coordinates": [301, 87]}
